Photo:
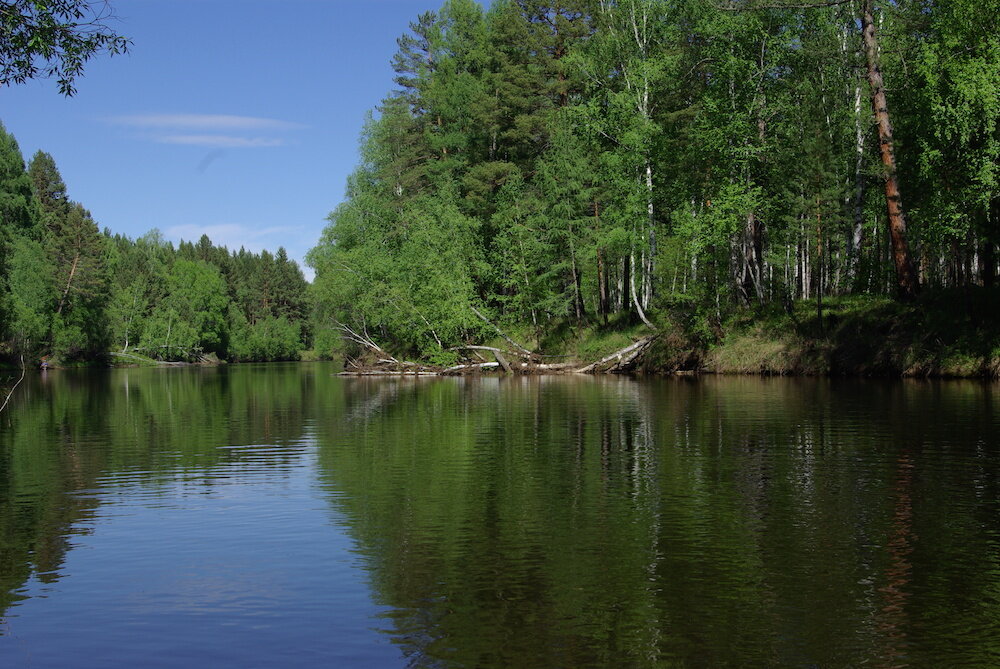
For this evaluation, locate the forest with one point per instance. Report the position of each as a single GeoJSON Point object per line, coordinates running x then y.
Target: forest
{"type": "Point", "coordinates": [540, 167]}
{"type": "Point", "coordinates": [554, 164]}
{"type": "Point", "coordinates": [70, 293]}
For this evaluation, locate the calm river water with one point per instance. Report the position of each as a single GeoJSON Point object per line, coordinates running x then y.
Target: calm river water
{"type": "Point", "coordinates": [256, 516]}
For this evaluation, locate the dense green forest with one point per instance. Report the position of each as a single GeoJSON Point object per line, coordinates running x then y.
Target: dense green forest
{"type": "Point", "coordinates": [596, 161]}
{"type": "Point", "coordinates": [70, 291]}
{"type": "Point", "coordinates": [577, 164]}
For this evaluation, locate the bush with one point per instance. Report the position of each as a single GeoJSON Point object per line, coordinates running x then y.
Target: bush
{"type": "Point", "coordinates": [327, 344]}
{"type": "Point", "coordinates": [267, 340]}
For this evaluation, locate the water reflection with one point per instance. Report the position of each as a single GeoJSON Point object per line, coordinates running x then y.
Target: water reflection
{"type": "Point", "coordinates": [75, 439]}
{"type": "Point", "coordinates": [545, 521]}
{"type": "Point", "coordinates": [709, 522]}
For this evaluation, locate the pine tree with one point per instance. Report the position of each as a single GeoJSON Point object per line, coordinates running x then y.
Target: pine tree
{"type": "Point", "coordinates": [18, 211]}
{"type": "Point", "coordinates": [76, 252]}
{"type": "Point", "coordinates": [48, 187]}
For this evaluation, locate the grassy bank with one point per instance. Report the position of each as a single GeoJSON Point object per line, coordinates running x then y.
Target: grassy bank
{"type": "Point", "coordinates": [941, 334]}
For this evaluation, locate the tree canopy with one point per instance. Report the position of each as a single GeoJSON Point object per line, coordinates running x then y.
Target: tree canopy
{"type": "Point", "coordinates": [591, 160]}
{"type": "Point", "coordinates": [67, 289]}
{"type": "Point", "coordinates": [54, 39]}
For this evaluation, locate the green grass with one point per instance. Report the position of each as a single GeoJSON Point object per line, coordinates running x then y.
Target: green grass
{"type": "Point", "coordinates": [944, 333]}
{"type": "Point", "coordinates": [589, 342]}
{"type": "Point", "coordinates": [132, 360]}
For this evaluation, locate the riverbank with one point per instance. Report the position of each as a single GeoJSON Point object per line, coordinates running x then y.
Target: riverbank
{"type": "Point", "coordinates": [940, 334]}
{"type": "Point", "coordinates": [943, 333]}
{"type": "Point", "coordinates": [947, 334]}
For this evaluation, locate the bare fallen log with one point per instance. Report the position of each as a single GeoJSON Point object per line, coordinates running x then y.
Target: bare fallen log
{"type": "Point", "coordinates": [555, 367]}
{"type": "Point", "coordinates": [495, 350]}
{"type": "Point", "coordinates": [386, 364]}
{"type": "Point", "coordinates": [502, 333]}
{"type": "Point", "coordinates": [149, 361]}
{"type": "Point", "coordinates": [364, 339]}
{"type": "Point", "coordinates": [385, 372]}
{"type": "Point", "coordinates": [503, 362]}
{"type": "Point", "coordinates": [479, 366]}
{"type": "Point", "coordinates": [621, 358]}
{"type": "Point", "coordinates": [471, 347]}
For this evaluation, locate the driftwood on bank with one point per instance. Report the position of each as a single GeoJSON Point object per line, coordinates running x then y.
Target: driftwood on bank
{"type": "Point", "coordinates": [519, 361]}
{"type": "Point", "coordinates": [477, 367]}
{"type": "Point", "coordinates": [500, 332]}
{"type": "Point", "coordinates": [385, 372]}
{"type": "Point", "coordinates": [148, 361]}
{"type": "Point", "coordinates": [387, 367]}
{"type": "Point", "coordinates": [621, 360]}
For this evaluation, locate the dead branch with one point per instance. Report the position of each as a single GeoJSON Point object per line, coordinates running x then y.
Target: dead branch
{"type": "Point", "coordinates": [474, 348]}
{"type": "Point", "coordinates": [555, 367]}
{"type": "Point", "coordinates": [501, 333]}
{"type": "Point", "coordinates": [521, 353]}
{"type": "Point", "coordinates": [14, 387]}
{"type": "Point", "coordinates": [386, 372]}
{"type": "Point", "coordinates": [503, 362]}
{"type": "Point", "coordinates": [474, 367]}
{"type": "Point", "coordinates": [364, 339]}
{"type": "Point", "coordinates": [621, 360]}
{"type": "Point", "coordinates": [622, 357]}
{"type": "Point", "coordinates": [137, 358]}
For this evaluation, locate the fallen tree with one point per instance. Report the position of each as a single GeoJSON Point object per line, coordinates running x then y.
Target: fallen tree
{"type": "Point", "coordinates": [517, 360]}
{"type": "Point", "coordinates": [622, 360]}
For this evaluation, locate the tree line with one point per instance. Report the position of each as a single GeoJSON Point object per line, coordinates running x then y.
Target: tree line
{"type": "Point", "coordinates": [589, 160]}
{"type": "Point", "coordinates": [71, 291]}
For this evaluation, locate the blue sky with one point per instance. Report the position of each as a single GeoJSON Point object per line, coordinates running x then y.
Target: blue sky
{"type": "Point", "coordinates": [235, 118]}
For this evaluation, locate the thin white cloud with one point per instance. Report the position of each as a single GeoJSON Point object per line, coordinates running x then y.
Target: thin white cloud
{"type": "Point", "coordinates": [220, 141]}
{"type": "Point", "coordinates": [218, 131]}
{"type": "Point", "coordinates": [223, 122]}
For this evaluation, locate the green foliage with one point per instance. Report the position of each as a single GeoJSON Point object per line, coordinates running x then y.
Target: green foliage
{"type": "Point", "coordinates": [70, 291]}
{"type": "Point", "coordinates": [54, 38]}
{"type": "Point", "coordinates": [327, 343]}
{"type": "Point", "coordinates": [18, 210]}
{"type": "Point", "coordinates": [197, 302]}
{"type": "Point", "coordinates": [49, 189]}
{"type": "Point", "coordinates": [566, 166]}
{"type": "Point", "coordinates": [31, 293]}
{"type": "Point", "coordinates": [267, 339]}
{"type": "Point", "coordinates": [597, 161]}
{"type": "Point", "coordinates": [169, 336]}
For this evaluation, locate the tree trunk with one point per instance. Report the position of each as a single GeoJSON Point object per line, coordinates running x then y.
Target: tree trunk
{"type": "Point", "coordinates": [819, 263]}
{"type": "Point", "coordinates": [906, 278]}
{"type": "Point", "coordinates": [69, 283]}
{"type": "Point", "coordinates": [581, 312]}
{"type": "Point", "coordinates": [857, 238]}
{"type": "Point", "coordinates": [650, 259]}
{"type": "Point", "coordinates": [753, 254]}
{"type": "Point", "coordinates": [988, 269]}
{"type": "Point", "coordinates": [635, 297]}
{"type": "Point", "coordinates": [602, 274]}
{"type": "Point", "coordinates": [753, 235]}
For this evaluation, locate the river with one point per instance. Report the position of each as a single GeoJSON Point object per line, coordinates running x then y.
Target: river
{"type": "Point", "coordinates": [257, 515]}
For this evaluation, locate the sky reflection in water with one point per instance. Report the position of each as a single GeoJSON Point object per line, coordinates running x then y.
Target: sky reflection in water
{"type": "Point", "coordinates": [253, 515]}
